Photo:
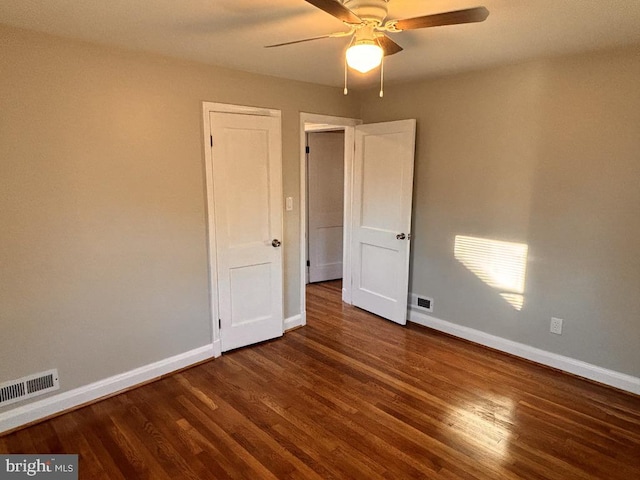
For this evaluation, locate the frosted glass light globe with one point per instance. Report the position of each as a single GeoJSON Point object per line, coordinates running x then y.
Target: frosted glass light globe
{"type": "Point", "coordinates": [364, 56]}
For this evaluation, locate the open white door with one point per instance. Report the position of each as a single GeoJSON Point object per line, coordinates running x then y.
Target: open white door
{"type": "Point", "coordinates": [326, 204]}
{"type": "Point", "coordinates": [381, 219]}
{"type": "Point", "coordinates": [247, 189]}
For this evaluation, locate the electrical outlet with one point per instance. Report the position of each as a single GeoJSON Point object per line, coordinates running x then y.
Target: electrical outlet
{"type": "Point", "coordinates": [556, 326]}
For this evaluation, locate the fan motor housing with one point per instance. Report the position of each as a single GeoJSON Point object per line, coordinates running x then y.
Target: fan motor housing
{"type": "Point", "coordinates": [373, 11]}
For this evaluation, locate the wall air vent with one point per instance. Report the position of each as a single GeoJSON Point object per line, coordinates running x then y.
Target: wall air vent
{"type": "Point", "coordinates": [424, 303]}
{"type": "Point", "coordinates": [28, 387]}
{"type": "Point", "coordinates": [421, 302]}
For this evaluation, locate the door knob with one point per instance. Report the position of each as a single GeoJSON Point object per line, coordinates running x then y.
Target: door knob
{"type": "Point", "coordinates": [276, 243]}
{"type": "Point", "coordinates": [401, 236]}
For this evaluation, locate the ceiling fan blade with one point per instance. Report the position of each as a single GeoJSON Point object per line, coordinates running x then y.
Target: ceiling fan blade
{"type": "Point", "coordinates": [298, 41]}
{"type": "Point", "coordinates": [389, 46]}
{"type": "Point", "coordinates": [336, 9]}
{"type": "Point", "coordinates": [469, 15]}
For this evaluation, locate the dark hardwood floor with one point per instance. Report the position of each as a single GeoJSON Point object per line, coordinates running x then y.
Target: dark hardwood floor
{"type": "Point", "coordinates": [352, 396]}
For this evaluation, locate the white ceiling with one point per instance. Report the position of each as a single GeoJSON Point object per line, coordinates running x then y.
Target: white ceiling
{"type": "Point", "coordinates": [232, 33]}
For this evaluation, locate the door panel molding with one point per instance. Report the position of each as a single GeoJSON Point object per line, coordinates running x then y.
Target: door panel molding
{"type": "Point", "coordinates": [209, 108]}
{"type": "Point", "coordinates": [381, 221]}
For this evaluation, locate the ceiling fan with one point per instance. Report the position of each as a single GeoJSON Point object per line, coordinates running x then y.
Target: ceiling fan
{"type": "Point", "coordinates": [367, 27]}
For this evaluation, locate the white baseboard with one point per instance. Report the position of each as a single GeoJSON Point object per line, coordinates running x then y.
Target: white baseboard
{"type": "Point", "coordinates": [32, 412]}
{"type": "Point", "coordinates": [567, 364]}
{"type": "Point", "coordinates": [294, 321]}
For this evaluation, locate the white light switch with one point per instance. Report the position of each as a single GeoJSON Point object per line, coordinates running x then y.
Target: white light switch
{"type": "Point", "coordinates": [289, 204]}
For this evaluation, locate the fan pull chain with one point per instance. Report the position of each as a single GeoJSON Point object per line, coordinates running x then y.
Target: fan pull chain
{"type": "Point", "coordinates": [382, 78]}
{"type": "Point", "coordinates": [346, 90]}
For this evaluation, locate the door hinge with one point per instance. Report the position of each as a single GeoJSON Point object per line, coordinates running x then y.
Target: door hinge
{"type": "Point", "coordinates": [219, 324]}
{"type": "Point", "coordinates": [211, 138]}
{"type": "Point", "coordinates": [306, 149]}
{"type": "Point", "coordinates": [308, 263]}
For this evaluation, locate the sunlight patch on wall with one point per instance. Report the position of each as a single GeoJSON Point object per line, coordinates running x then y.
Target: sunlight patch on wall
{"type": "Point", "coordinates": [516, 300]}
{"type": "Point", "coordinates": [501, 265]}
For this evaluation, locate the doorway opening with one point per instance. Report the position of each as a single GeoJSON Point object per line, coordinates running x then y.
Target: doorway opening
{"type": "Point", "coordinates": [325, 203]}
{"type": "Point", "coordinates": [329, 248]}
{"type": "Point", "coordinates": [378, 185]}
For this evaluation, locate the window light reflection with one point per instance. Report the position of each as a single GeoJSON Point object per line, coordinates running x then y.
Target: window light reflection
{"type": "Point", "coordinates": [501, 265]}
{"type": "Point", "coordinates": [484, 427]}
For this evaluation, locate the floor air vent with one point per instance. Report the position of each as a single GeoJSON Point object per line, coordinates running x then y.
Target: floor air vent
{"type": "Point", "coordinates": [28, 387]}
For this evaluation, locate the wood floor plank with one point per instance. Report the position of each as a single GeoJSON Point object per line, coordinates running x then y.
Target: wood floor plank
{"type": "Point", "coordinates": [255, 397]}
{"type": "Point", "coordinates": [74, 440]}
{"type": "Point", "coordinates": [230, 446]}
{"type": "Point", "coordinates": [354, 396]}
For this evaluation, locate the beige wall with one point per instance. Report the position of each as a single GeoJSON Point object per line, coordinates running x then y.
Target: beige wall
{"type": "Point", "coordinates": [103, 258]}
{"type": "Point", "coordinates": [547, 154]}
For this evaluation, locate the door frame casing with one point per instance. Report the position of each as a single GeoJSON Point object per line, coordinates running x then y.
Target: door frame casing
{"type": "Point", "coordinates": [349, 125]}
{"type": "Point", "coordinates": [207, 109]}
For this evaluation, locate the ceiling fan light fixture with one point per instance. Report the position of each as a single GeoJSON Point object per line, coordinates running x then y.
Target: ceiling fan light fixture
{"type": "Point", "coordinates": [364, 56]}
{"type": "Point", "coordinates": [366, 21]}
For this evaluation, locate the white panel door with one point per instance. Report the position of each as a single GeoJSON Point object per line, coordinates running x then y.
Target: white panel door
{"type": "Point", "coordinates": [247, 188]}
{"type": "Point", "coordinates": [381, 219]}
{"type": "Point", "coordinates": [326, 205]}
